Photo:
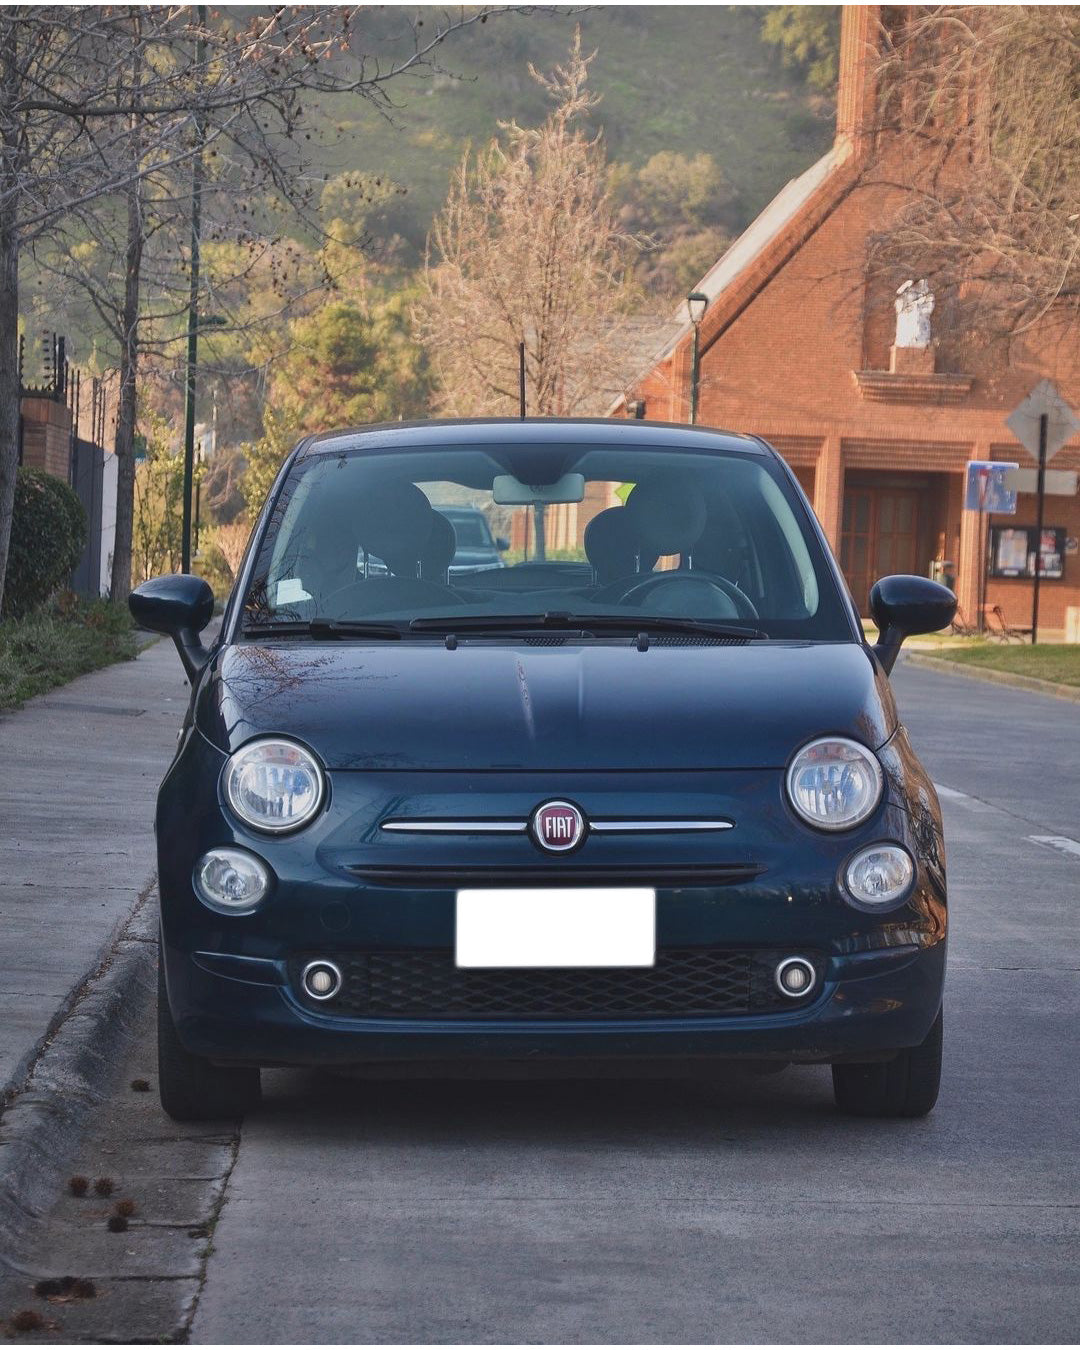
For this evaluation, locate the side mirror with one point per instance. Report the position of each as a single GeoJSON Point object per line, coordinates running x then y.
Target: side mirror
{"type": "Point", "coordinates": [902, 606]}
{"type": "Point", "coordinates": [180, 606]}
{"type": "Point", "coordinates": [502, 543]}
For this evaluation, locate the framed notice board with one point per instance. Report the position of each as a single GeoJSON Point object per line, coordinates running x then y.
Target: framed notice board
{"type": "Point", "coordinates": [1012, 551]}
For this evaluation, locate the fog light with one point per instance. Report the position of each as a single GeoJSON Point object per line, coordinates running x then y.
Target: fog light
{"type": "Point", "coordinates": [231, 880]}
{"type": "Point", "coordinates": [796, 976]}
{"type": "Point", "coordinates": [321, 980]}
{"type": "Point", "coordinates": [880, 875]}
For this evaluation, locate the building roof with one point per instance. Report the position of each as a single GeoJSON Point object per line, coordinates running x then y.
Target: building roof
{"type": "Point", "coordinates": [749, 246]}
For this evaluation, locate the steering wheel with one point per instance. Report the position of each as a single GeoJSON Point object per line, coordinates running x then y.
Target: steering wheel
{"type": "Point", "coordinates": [637, 590]}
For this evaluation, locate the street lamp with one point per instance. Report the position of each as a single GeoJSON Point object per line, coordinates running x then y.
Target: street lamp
{"type": "Point", "coordinates": [196, 323]}
{"type": "Point", "coordinates": [696, 304]}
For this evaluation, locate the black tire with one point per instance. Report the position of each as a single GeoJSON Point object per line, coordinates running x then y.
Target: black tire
{"type": "Point", "coordinates": [904, 1087]}
{"type": "Point", "coordinates": [192, 1088]}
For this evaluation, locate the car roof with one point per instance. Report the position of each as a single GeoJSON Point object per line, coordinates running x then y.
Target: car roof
{"type": "Point", "coordinates": [479, 431]}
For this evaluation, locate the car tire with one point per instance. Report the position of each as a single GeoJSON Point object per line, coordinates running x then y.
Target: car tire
{"type": "Point", "coordinates": [904, 1087]}
{"type": "Point", "coordinates": [192, 1088]}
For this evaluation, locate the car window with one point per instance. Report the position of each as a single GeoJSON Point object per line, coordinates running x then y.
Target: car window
{"type": "Point", "coordinates": [575, 530]}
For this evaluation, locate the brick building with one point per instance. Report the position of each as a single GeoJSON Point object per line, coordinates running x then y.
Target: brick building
{"type": "Point", "coordinates": [794, 348]}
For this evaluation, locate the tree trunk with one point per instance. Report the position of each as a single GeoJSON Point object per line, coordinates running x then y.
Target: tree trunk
{"type": "Point", "coordinates": [9, 383]}
{"type": "Point", "coordinates": [10, 390]}
{"type": "Point", "coordinates": [120, 586]}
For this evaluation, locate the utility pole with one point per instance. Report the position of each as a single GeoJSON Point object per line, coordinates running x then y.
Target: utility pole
{"type": "Point", "coordinates": [193, 311]}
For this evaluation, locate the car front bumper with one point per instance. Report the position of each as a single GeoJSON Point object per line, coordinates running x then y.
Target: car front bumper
{"type": "Point", "coordinates": [344, 888]}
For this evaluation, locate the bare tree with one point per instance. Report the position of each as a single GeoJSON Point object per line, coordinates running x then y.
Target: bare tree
{"type": "Point", "coordinates": [93, 100]}
{"type": "Point", "coordinates": [980, 124]}
{"type": "Point", "coordinates": [529, 249]}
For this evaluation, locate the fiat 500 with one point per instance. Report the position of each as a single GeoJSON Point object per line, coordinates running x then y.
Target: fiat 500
{"type": "Point", "coordinates": [637, 801]}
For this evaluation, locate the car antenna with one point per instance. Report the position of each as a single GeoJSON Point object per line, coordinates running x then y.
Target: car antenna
{"type": "Point", "coordinates": [521, 378]}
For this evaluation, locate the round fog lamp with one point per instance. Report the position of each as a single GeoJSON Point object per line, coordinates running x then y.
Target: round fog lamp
{"type": "Point", "coordinates": [880, 875]}
{"type": "Point", "coordinates": [795, 976]}
{"type": "Point", "coordinates": [231, 881]}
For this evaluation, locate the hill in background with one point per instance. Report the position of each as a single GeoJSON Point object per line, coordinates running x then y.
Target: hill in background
{"type": "Point", "coordinates": [681, 79]}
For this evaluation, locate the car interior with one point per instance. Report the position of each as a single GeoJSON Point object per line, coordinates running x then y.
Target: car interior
{"type": "Point", "coordinates": [711, 537]}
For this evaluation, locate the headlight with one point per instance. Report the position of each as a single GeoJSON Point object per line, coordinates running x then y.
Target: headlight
{"type": "Point", "coordinates": [880, 875]}
{"type": "Point", "coordinates": [273, 785]}
{"type": "Point", "coordinates": [230, 880]}
{"type": "Point", "coordinates": [834, 783]}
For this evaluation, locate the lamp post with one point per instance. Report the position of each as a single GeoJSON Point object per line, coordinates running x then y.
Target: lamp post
{"type": "Point", "coordinates": [696, 304]}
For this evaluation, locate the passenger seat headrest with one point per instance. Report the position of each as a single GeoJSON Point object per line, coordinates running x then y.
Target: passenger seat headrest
{"type": "Point", "coordinates": [668, 513]}
{"type": "Point", "coordinates": [612, 546]}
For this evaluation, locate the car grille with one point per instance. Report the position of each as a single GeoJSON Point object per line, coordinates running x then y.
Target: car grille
{"type": "Point", "coordinates": [685, 982]}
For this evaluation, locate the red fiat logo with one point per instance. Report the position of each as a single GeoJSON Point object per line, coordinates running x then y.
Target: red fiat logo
{"type": "Point", "coordinates": [558, 826]}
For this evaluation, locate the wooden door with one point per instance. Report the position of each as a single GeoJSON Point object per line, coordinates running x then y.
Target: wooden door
{"type": "Point", "coordinates": [880, 535]}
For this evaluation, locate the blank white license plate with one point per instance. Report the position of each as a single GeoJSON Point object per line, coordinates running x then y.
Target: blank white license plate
{"type": "Point", "coordinates": [564, 927]}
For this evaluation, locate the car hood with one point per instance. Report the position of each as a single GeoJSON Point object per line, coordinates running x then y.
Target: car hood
{"type": "Point", "coordinates": [484, 705]}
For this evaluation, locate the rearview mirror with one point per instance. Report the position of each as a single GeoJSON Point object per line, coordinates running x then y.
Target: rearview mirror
{"type": "Point", "coordinates": [510, 491]}
{"type": "Point", "coordinates": [180, 606]}
{"type": "Point", "coordinates": [902, 606]}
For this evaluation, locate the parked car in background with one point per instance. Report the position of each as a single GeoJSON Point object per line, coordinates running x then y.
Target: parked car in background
{"type": "Point", "coordinates": [476, 549]}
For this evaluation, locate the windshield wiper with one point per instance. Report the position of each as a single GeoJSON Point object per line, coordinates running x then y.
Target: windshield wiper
{"type": "Point", "coordinates": [584, 623]}
{"type": "Point", "coordinates": [322, 628]}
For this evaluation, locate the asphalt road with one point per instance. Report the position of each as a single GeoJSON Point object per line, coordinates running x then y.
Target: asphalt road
{"type": "Point", "coordinates": [636, 1211]}
{"type": "Point", "coordinates": [648, 1212]}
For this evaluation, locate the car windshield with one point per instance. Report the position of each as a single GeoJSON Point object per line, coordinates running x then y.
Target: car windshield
{"type": "Point", "coordinates": [616, 535]}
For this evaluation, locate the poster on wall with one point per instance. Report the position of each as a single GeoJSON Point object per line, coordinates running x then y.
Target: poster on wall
{"type": "Point", "coordinates": [1012, 551]}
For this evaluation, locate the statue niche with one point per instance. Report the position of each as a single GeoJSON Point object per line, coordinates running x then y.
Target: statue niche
{"type": "Point", "coordinates": [912, 352]}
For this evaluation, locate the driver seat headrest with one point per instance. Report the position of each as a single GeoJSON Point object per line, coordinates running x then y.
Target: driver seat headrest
{"type": "Point", "coordinates": [668, 513]}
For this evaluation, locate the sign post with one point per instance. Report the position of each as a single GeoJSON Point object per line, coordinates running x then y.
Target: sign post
{"type": "Point", "coordinates": [1042, 424]}
{"type": "Point", "coordinates": [987, 490]}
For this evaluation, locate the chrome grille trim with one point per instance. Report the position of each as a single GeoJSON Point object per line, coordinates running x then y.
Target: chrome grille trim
{"type": "Point", "coordinates": [657, 826]}
{"type": "Point", "coordinates": [455, 826]}
{"type": "Point", "coordinates": [521, 826]}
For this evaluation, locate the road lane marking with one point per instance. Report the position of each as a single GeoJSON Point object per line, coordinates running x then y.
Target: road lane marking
{"type": "Point", "coordinates": [1058, 841]}
{"type": "Point", "coordinates": [949, 794]}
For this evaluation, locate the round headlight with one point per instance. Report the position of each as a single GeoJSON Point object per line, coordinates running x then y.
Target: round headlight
{"type": "Point", "coordinates": [834, 783]}
{"type": "Point", "coordinates": [273, 785]}
{"type": "Point", "coordinates": [230, 880]}
{"type": "Point", "coordinates": [880, 875]}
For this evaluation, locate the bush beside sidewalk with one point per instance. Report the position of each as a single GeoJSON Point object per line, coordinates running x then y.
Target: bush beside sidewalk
{"type": "Point", "coordinates": [61, 640]}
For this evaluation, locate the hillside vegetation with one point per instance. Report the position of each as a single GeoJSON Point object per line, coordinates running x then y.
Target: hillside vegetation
{"type": "Point", "coordinates": [682, 79]}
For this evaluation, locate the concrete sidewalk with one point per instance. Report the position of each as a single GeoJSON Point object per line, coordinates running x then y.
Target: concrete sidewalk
{"type": "Point", "coordinates": [79, 770]}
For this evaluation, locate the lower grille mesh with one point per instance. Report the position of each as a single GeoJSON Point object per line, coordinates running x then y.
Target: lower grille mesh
{"type": "Point", "coordinates": [424, 983]}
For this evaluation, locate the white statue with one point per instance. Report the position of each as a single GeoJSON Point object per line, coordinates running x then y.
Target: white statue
{"type": "Point", "coordinates": [914, 305]}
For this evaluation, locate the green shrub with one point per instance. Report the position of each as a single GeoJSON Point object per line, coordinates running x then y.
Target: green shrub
{"type": "Point", "coordinates": [48, 533]}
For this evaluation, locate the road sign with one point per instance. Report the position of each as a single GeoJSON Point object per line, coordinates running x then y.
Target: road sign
{"type": "Point", "coordinates": [1061, 422]}
{"type": "Point", "coordinates": [1058, 482]}
{"type": "Point", "coordinates": [987, 487]}
{"type": "Point", "coordinates": [1042, 423]}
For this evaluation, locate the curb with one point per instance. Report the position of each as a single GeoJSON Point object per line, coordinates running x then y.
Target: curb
{"type": "Point", "coordinates": [1071, 693]}
{"type": "Point", "coordinates": [41, 1127]}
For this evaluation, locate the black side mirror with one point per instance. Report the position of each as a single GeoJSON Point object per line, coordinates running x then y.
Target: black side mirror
{"type": "Point", "coordinates": [502, 543]}
{"type": "Point", "coordinates": [903, 606]}
{"type": "Point", "coordinates": [180, 606]}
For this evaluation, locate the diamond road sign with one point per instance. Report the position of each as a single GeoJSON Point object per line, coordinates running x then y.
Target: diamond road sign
{"type": "Point", "coordinates": [1061, 425]}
